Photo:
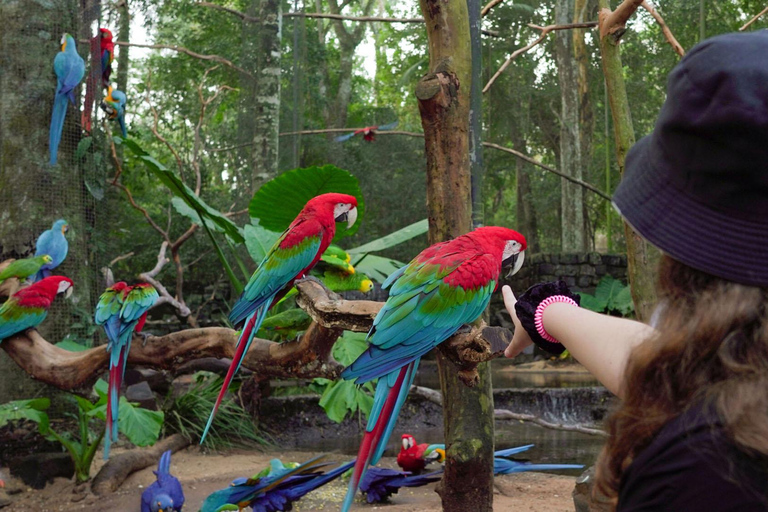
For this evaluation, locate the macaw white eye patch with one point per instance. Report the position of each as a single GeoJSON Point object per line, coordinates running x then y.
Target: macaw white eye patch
{"type": "Point", "coordinates": [511, 248]}
{"type": "Point", "coordinates": [63, 286]}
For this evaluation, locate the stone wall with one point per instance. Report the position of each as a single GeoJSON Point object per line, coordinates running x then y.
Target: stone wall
{"type": "Point", "coordinates": [580, 271]}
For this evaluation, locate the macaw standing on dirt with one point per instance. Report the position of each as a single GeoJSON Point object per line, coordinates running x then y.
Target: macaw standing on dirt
{"type": "Point", "coordinates": [53, 243]}
{"type": "Point", "coordinates": [243, 491]}
{"type": "Point", "coordinates": [505, 466]}
{"type": "Point", "coordinates": [446, 286]}
{"type": "Point", "coordinates": [29, 306]}
{"type": "Point", "coordinates": [369, 132]}
{"type": "Point", "coordinates": [291, 257]}
{"type": "Point", "coordinates": [122, 310]}
{"type": "Point", "coordinates": [69, 67]}
{"type": "Point", "coordinates": [379, 484]}
{"type": "Point", "coordinates": [114, 106]}
{"type": "Point", "coordinates": [165, 494]}
{"type": "Point", "coordinates": [102, 55]}
{"type": "Point", "coordinates": [415, 457]}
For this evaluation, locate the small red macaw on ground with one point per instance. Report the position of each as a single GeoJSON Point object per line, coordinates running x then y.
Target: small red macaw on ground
{"type": "Point", "coordinates": [28, 307]}
{"type": "Point", "coordinates": [446, 286]}
{"type": "Point", "coordinates": [292, 256]}
{"type": "Point", "coordinates": [415, 457]}
{"type": "Point", "coordinates": [121, 310]}
{"type": "Point", "coordinates": [102, 55]}
{"type": "Point", "coordinates": [369, 132]}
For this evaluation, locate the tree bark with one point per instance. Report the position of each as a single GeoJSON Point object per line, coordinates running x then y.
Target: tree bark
{"type": "Point", "coordinates": [123, 34]}
{"type": "Point", "coordinates": [581, 54]}
{"type": "Point", "coordinates": [642, 257]}
{"type": "Point", "coordinates": [572, 230]}
{"type": "Point", "coordinates": [266, 99]}
{"type": "Point", "coordinates": [443, 97]}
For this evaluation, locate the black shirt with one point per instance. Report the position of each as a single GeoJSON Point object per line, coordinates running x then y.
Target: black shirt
{"type": "Point", "coordinates": [692, 466]}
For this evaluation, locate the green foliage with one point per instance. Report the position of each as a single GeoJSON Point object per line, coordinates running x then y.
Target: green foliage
{"type": "Point", "coordinates": [279, 200]}
{"type": "Point", "coordinates": [392, 239]}
{"type": "Point", "coordinates": [377, 267]}
{"type": "Point", "coordinates": [611, 296]}
{"type": "Point", "coordinates": [140, 426]}
{"type": "Point", "coordinates": [343, 397]}
{"type": "Point", "coordinates": [259, 240]}
{"type": "Point", "coordinates": [188, 413]}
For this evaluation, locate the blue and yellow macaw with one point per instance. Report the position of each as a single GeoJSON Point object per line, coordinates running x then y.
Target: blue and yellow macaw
{"type": "Point", "coordinates": [121, 310]}
{"type": "Point", "coordinates": [69, 67]}
{"type": "Point", "coordinates": [53, 243]}
{"type": "Point", "coordinates": [505, 466]}
{"type": "Point", "coordinates": [114, 106]}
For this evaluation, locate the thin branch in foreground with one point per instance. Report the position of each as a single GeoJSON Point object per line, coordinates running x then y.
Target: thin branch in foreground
{"type": "Point", "coordinates": [754, 19]}
{"type": "Point", "coordinates": [504, 414]}
{"type": "Point", "coordinates": [490, 5]}
{"type": "Point", "coordinates": [543, 35]}
{"type": "Point", "coordinates": [181, 49]}
{"type": "Point", "coordinates": [664, 28]}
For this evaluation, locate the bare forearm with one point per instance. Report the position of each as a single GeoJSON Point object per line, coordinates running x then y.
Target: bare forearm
{"type": "Point", "coordinates": [601, 343]}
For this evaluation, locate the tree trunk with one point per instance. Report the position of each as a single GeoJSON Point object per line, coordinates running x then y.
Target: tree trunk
{"type": "Point", "coordinates": [246, 119]}
{"type": "Point", "coordinates": [338, 114]}
{"type": "Point", "coordinates": [581, 54]}
{"type": "Point", "coordinates": [443, 97]}
{"type": "Point", "coordinates": [642, 257]}
{"type": "Point", "coordinates": [572, 236]}
{"type": "Point", "coordinates": [123, 34]}
{"type": "Point", "coordinates": [266, 100]}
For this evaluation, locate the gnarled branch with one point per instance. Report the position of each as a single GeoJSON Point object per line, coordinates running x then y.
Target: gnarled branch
{"type": "Point", "coordinates": [754, 19]}
{"type": "Point", "coordinates": [614, 22]}
{"type": "Point", "coordinates": [307, 357]}
{"type": "Point", "coordinates": [664, 28]}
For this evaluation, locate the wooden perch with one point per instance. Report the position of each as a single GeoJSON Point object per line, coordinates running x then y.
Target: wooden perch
{"type": "Point", "coordinates": [664, 28]}
{"type": "Point", "coordinates": [754, 19]}
{"type": "Point", "coordinates": [307, 357]}
{"type": "Point", "coordinates": [119, 466]}
{"type": "Point", "coordinates": [614, 22]}
{"type": "Point", "coordinates": [545, 31]}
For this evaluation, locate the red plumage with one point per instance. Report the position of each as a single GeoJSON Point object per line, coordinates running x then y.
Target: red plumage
{"type": "Point", "coordinates": [412, 458]}
{"type": "Point", "coordinates": [40, 294]}
{"type": "Point", "coordinates": [100, 43]}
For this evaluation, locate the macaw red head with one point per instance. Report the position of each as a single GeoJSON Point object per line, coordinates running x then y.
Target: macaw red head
{"type": "Point", "coordinates": [105, 34]}
{"type": "Point", "coordinates": [408, 442]}
{"type": "Point", "coordinates": [52, 286]}
{"type": "Point", "coordinates": [508, 243]}
{"type": "Point", "coordinates": [342, 207]}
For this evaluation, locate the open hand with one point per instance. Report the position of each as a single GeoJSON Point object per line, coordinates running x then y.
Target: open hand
{"type": "Point", "coordinates": [520, 340]}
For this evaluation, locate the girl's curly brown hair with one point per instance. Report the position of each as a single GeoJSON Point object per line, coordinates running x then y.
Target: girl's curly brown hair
{"type": "Point", "coordinates": [711, 347]}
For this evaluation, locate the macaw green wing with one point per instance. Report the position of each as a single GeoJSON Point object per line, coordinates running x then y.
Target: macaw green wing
{"type": "Point", "coordinates": [137, 302]}
{"type": "Point", "coordinates": [279, 268]}
{"type": "Point", "coordinates": [15, 318]}
{"type": "Point", "coordinates": [108, 312]}
{"type": "Point", "coordinates": [422, 310]}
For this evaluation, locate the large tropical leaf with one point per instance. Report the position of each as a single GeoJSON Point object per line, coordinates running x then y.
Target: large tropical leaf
{"type": "Point", "coordinates": [258, 240]}
{"type": "Point", "coordinates": [182, 191]}
{"type": "Point", "coordinates": [393, 239]}
{"type": "Point", "coordinates": [279, 200]}
{"type": "Point", "coordinates": [377, 268]}
{"type": "Point", "coordinates": [33, 410]}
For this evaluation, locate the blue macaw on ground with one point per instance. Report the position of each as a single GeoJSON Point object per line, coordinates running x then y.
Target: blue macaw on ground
{"type": "Point", "coordinates": [378, 484]}
{"type": "Point", "coordinates": [505, 466]}
{"type": "Point", "coordinates": [165, 494]}
{"type": "Point", "coordinates": [53, 243]}
{"type": "Point", "coordinates": [69, 67]}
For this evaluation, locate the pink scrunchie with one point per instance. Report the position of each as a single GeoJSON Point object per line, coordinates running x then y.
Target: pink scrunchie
{"type": "Point", "coordinates": [540, 313]}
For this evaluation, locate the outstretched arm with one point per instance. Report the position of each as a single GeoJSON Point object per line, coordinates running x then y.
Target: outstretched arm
{"type": "Point", "coordinates": [601, 343]}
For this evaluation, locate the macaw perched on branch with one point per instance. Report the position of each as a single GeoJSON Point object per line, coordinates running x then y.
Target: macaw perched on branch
{"type": "Point", "coordinates": [369, 132]}
{"type": "Point", "coordinates": [22, 269]}
{"type": "Point", "coordinates": [165, 494]}
{"type": "Point", "coordinates": [446, 286]}
{"type": "Point", "coordinates": [53, 243]}
{"type": "Point", "coordinates": [243, 491]}
{"type": "Point", "coordinates": [102, 55]}
{"type": "Point", "coordinates": [415, 457]}
{"type": "Point", "coordinates": [69, 67]}
{"type": "Point", "coordinates": [291, 257]}
{"type": "Point", "coordinates": [122, 310]}
{"type": "Point", "coordinates": [505, 466]}
{"type": "Point", "coordinates": [29, 306]}
{"type": "Point", "coordinates": [114, 106]}
{"type": "Point", "coordinates": [379, 484]}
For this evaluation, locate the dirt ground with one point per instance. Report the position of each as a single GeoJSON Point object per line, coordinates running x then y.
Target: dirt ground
{"type": "Point", "coordinates": [201, 474]}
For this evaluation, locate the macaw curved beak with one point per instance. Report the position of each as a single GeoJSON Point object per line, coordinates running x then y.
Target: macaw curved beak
{"type": "Point", "coordinates": [515, 262]}
{"type": "Point", "coordinates": [352, 217]}
{"type": "Point", "coordinates": [68, 293]}
{"type": "Point", "coordinates": [64, 229]}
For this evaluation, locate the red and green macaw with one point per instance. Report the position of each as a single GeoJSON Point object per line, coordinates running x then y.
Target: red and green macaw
{"type": "Point", "coordinates": [446, 286]}
{"type": "Point", "coordinates": [415, 457]}
{"type": "Point", "coordinates": [69, 67]}
{"type": "Point", "coordinates": [121, 310]}
{"type": "Point", "coordinates": [114, 106]}
{"type": "Point", "coordinates": [29, 306]}
{"type": "Point", "coordinates": [291, 257]}
{"type": "Point", "coordinates": [369, 132]}
{"type": "Point", "coordinates": [102, 55]}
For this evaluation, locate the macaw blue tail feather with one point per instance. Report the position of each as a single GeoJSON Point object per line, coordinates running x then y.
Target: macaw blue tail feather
{"type": "Point", "coordinates": [252, 325]}
{"type": "Point", "coordinates": [505, 467]}
{"type": "Point", "coordinates": [512, 451]}
{"type": "Point", "coordinates": [57, 125]}
{"type": "Point", "coordinates": [402, 395]}
{"type": "Point", "coordinates": [164, 466]}
{"type": "Point", "coordinates": [121, 121]}
{"type": "Point", "coordinates": [385, 403]}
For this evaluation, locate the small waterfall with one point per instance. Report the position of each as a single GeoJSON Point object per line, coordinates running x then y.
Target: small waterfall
{"type": "Point", "coordinates": [576, 405]}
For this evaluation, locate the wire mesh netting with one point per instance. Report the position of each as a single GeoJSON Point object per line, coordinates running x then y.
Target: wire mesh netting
{"type": "Point", "coordinates": [33, 193]}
